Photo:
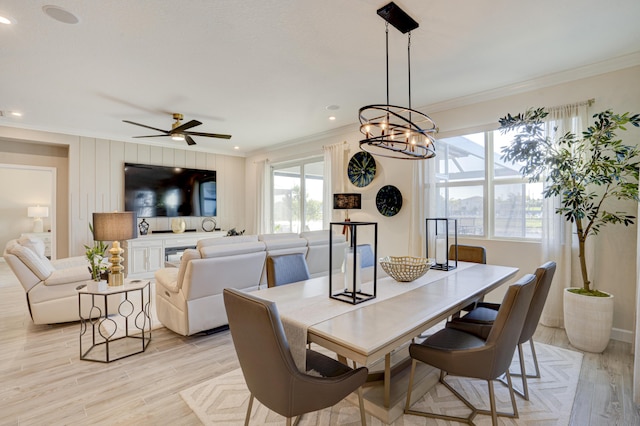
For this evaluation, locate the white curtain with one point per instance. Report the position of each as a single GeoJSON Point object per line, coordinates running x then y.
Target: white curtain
{"type": "Point", "coordinates": [423, 196]}
{"type": "Point", "coordinates": [263, 197]}
{"type": "Point", "coordinates": [559, 243]}
{"type": "Point", "coordinates": [334, 172]}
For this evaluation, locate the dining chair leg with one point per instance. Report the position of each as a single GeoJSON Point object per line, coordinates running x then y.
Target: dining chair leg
{"type": "Point", "coordinates": [535, 360]}
{"type": "Point", "coordinates": [512, 395]}
{"type": "Point", "coordinates": [246, 420]}
{"type": "Point", "coordinates": [288, 421]}
{"type": "Point", "coordinates": [492, 403]}
{"type": "Point", "coordinates": [363, 419]}
{"type": "Point", "coordinates": [523, 373]}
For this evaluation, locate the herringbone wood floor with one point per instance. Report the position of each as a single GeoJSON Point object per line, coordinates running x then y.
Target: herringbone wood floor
{"type": "Point", "coordinates": [44, 382]}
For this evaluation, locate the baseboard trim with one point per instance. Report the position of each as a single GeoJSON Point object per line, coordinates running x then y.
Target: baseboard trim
{"type": "Point", "coordinates": [622, 335]}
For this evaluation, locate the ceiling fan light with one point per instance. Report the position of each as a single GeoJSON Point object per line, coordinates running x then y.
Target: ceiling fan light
{"type": "Point", "coordinates": [177, 137]}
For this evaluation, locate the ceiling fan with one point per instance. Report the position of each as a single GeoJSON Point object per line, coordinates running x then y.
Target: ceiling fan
{"type": "Point", "coordinates": [179, 131]}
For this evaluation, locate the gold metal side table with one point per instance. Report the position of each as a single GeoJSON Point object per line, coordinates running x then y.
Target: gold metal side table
{"type": "Point", "coordinates": [114, 323]}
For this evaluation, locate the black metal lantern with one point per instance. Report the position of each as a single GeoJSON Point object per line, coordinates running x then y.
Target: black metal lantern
{"type": "Point", "coordinates": [440, 233]}
{"type": "Point", "coordinates": [356, 257]}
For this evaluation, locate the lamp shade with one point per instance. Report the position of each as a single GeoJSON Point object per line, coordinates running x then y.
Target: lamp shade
{"type": "Point", "coordinates": [114, 226]}
{"type": "Point", "coordinates": [38, 211]}
{"type": "Point", "coordinates": [347, 201]}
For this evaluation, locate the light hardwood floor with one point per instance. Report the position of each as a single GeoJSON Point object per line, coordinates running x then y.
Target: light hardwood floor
{"type": "Point", "coordinates": [44, 382]}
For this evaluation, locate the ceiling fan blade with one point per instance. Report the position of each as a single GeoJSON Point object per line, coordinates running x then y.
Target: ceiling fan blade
{"type": "Point", "coordinates": [185, 126]}
{"type": "Point", "coordinates": [148, 127]}
{"type": "Point", "coordinates": [189, 140]}
{"type": "Point", "coordinates": [209, 135]}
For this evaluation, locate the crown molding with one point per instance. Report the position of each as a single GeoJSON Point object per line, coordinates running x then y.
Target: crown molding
{"type": "Point", "coordinates": [615, 64]}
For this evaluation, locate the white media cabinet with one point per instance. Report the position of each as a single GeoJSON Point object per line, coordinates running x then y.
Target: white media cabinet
{"type": "Point", "coordinates": [148, 253]}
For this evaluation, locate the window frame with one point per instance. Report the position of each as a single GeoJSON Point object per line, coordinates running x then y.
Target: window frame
{"type": "Point", "coordinates": [488, 184]}
{"type": "Point", "coordinates": [300, 162]}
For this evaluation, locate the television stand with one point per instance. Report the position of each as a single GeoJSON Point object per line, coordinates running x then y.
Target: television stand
{"type": "Point", "coordinates": [148, 253]}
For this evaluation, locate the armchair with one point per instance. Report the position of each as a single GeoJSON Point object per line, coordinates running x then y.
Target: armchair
{"type": "Point", "coordinates": [50, 286]}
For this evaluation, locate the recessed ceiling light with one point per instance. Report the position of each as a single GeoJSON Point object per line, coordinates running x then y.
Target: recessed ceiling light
{"type": "Point", "coordinates": [236, 147]}
{"type": "Point", "coordinates": [332, 117]}
{"type": "Point", "coordinates": [60, 14]}
{"type": "Point", "coordinates": [6, 20]}
{"type": "Point", "coordinates": [16, 113]}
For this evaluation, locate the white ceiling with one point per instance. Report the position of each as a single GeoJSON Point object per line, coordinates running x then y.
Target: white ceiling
{"type": "Point", "coordinates": [266, 70]}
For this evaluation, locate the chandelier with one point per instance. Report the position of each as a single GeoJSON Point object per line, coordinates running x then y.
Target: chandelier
{"type": "Point", "coordinates": [390, 130]}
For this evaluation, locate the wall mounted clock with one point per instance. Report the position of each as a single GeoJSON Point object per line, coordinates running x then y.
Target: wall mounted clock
{"type": "Point", "coordinates": [362, 169]}
{"type": "Point", "coordinates": [389, 200]}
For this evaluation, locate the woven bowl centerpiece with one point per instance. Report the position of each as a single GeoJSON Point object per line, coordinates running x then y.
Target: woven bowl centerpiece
{"type": "Point", "coordinates": [405, 268]}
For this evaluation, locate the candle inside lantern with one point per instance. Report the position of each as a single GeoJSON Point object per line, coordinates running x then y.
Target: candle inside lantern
{"type": "Point", "coordinates": [441, 250]}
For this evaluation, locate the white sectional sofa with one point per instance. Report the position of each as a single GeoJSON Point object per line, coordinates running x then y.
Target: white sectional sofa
{"type": "Point", "coordinates": [318, 252]}
{"type": "Point", "coordinates": [189, 298]}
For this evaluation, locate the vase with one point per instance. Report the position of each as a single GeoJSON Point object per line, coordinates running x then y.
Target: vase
{"type": "Point", "coordinates": [178, 225]}
{"type": "Point", "coordinates": [588, 320]}
{"type": "Point", "coordinates": [143, 227]}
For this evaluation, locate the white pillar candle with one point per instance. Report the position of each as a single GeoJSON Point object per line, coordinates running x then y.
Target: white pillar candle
{"type": "Point", "coordinates": [441, 250]}
{"type": "Point", "coordinates": [349, 272]}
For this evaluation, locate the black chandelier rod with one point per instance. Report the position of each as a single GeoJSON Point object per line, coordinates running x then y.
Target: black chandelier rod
{"type": "Point", "coordinates": [409, 69]}
{"type": "Point", "coordinates": [387, 56]}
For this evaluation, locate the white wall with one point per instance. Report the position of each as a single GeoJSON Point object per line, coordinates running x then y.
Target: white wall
{"type": "Point", "coordinates": [616, 246]}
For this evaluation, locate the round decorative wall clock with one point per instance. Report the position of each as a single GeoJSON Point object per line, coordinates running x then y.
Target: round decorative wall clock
{"type": "Point", "coordinates": [389, 200]}
{"type": "Point", "coordinates": [362, 169]}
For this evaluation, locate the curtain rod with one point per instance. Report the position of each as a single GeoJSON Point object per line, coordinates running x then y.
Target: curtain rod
{"type": "Point", "coordinates": [588, 102]}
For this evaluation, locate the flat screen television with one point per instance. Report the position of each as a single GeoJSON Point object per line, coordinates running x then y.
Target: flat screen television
{"type": "Point", "coordinates": [153, 191]}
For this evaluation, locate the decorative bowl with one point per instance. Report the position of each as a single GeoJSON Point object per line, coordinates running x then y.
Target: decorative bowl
{"type": "Point", "coordinates": [405, 268]}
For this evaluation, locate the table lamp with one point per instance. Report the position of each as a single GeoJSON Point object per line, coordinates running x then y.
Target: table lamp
{"type": "Point", "coordinates": [115, 227]}
{"type": "Point", "coordinates": [37, 213]}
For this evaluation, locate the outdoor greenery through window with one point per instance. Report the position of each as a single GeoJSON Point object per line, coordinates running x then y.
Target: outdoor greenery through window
{"type": "Point", "coordinates": [297, 196]}
{"type": "Point", "coordinates": [488, 196]}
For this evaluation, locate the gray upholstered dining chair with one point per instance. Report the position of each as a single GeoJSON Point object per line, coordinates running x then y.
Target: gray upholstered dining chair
{"type": "Point", "coordinates": [286, 268]}
{"type": "Point", "coordinates": [269, 369]}
{"type": "Point", "coordinates": [366, 255]}
{"type": "Point", "coordinates": [480, 320]}
{"type": "Point", "coordinates": [459, 353]}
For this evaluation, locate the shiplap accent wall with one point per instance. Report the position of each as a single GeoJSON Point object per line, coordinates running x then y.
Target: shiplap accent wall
{"type": "Point", "coordinates": [97, 183]}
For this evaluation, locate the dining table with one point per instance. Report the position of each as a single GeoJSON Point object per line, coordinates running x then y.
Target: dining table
{"type": "Point", "coordinates": [376, 333]}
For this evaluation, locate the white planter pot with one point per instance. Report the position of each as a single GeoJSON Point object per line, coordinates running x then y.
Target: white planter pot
{"type": "Point", "coordinates": [588, 321]}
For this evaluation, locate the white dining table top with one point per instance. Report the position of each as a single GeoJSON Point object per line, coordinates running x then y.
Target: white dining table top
{"type": "Point", "coordinates": [367, 331]}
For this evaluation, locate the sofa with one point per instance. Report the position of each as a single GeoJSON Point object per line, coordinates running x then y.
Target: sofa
{"type": "Point", "coordinates": [189, 298]}
{"type": "Point", "coordinates": [318, 252]}
{"type": "Point", "coordinates": [50, 285]}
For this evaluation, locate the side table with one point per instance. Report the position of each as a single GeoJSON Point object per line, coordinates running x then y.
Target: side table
{"type": "Point", "coordinates": [106, 338]}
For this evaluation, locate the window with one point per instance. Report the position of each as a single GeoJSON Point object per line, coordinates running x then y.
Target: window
{"type": "Point", "coordinates": [297, 196]}
{"type": "Point", "coordinates": [488, 196]}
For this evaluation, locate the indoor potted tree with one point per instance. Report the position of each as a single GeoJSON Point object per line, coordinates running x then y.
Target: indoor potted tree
{"type": "Point", "coordinates": [585, 173]}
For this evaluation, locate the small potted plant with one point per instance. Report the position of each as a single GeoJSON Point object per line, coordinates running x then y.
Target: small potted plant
{"type": "Point", "coordinates": [585, 172]}
{"type": "Point", "coordinates": [97, 257]}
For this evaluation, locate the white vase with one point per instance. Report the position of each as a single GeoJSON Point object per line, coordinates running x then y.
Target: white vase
{"type": "Point", "coordinates": [588, 320]}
